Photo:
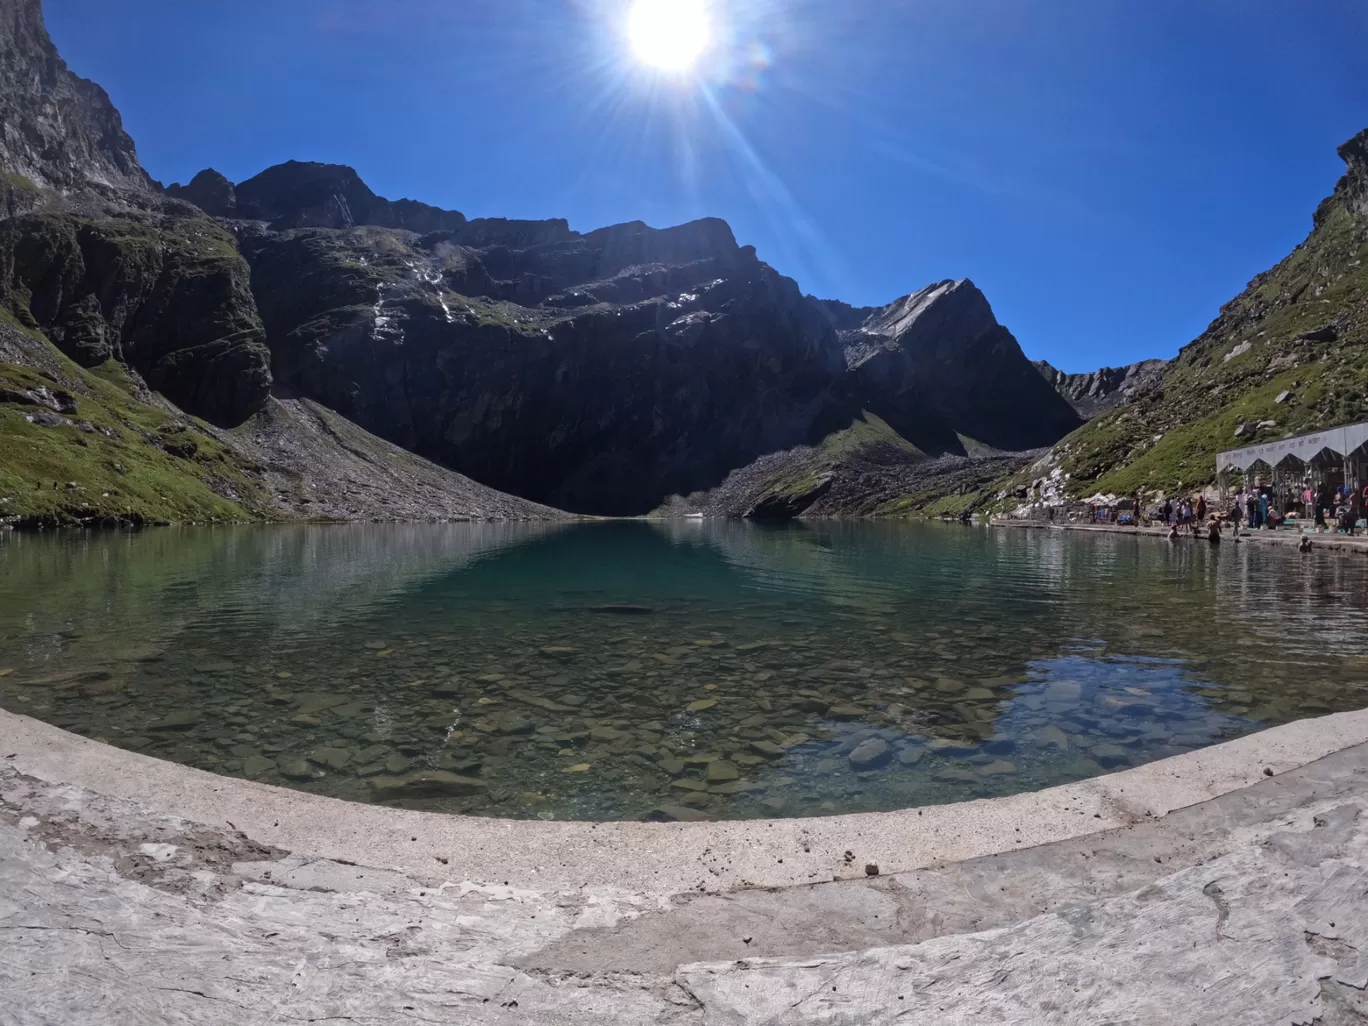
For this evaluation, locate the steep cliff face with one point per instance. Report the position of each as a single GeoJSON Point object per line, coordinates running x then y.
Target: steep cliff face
{"type": "Point", "coordinates": [93, 257]}
{"type": "Point", "coordinates": [937, 366]}
{"type": "Point", "coordinates": [595, 372]}
{"type": "Point", "coordinates": [57, 130]}
{"type": "Point", "coordinates": [167, 294]}
{"type": "Point", "coordinates": [1288, 355]}
{"type": "Point", "coordinates": [1100, 391]}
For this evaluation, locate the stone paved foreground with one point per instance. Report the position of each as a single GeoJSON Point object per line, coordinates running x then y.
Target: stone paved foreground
{"type": "Point", "coordinates": [1248, 909]}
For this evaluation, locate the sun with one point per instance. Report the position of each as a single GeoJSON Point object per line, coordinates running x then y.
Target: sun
{"type": "Point", "coordinates": [670, 35]}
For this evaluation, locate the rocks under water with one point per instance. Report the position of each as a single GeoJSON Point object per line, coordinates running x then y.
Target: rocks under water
{"type": "Point", "coordinates": [779, 672]}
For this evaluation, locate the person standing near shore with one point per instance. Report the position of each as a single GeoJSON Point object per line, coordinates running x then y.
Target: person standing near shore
{"type": "Point", "coordinates": [1201, 509]}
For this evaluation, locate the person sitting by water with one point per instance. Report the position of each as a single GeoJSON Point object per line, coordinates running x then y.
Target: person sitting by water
{"type": "Point", "coordinates": [1173, 532]}
{"type": "Point", "coordinates": [1348, 520]}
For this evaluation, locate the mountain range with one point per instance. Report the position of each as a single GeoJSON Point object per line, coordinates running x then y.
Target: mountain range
{"type": "Point", "coordinates": [294, 345]}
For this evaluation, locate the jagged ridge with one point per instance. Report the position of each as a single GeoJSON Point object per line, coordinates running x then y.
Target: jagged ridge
{"type": "Point", "coordinates": [1100, 391]}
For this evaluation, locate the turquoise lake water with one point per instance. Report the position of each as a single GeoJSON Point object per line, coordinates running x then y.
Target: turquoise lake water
{"type": "Point", "coordinates": [670, 671]}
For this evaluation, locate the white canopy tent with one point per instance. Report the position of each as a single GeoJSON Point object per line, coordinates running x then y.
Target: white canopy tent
{"type": "Point", "coordinates": [1341, 441]}
{"type": "Point", "coordinates": [1338, 456]}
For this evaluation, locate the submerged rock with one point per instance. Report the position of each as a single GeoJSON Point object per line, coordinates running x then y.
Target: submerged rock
{"type": "Point", "coordinates": [426, 784]}
{"type": "Point", "coordinates": [297, 769]}
{"type": "Point", "coordinates": [721, 772]}
{"type": "Point", "coordinates": [258, 766]}
{"type": "Point", "coordinates": [184, 720]}
{"type": "Point", "coordinates": [333, 758]}
{"type": "Point", "coordinates": [870, 754]}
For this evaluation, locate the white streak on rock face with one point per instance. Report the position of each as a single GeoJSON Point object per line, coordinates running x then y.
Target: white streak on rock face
{"type": "Point", "coordinates": [431, 276]}
{"type": "Point", "coordinates": [386, 329]}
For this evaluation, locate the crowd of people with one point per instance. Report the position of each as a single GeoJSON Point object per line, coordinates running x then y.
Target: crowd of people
{"type": "Point", "coordinates": [1260, 508]}
{"type": "Point", "coordinates": [1328, 508]}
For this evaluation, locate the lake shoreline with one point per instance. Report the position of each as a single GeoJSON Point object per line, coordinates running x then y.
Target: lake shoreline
{"type": "Point", "coordinates": [1331, 542]}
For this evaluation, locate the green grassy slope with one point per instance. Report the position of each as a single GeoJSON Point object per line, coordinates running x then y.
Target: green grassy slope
{"type": "Point", "coordinates": [1299, 333]}
{"type": "Point", "coordinates": [115, 458]}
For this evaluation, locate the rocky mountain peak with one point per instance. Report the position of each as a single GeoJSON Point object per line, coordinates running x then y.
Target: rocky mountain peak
{"type": "Point", "coordinates": [1353, 187]}
{"type": "Point", "coordinates": [210, 191]}
{"type": "Point", "coordinates": [636, 243]}
{"type": "Point", "coordinates": [57, 130]}
{"type": "Point", "coordinates": [306, 194]}
{"type": "Point", "coordinates": [1097, 392]}
{"type": "Point", "coordinates": [933, 314]}
{"type": "Point", "coordinates": [939, 367]}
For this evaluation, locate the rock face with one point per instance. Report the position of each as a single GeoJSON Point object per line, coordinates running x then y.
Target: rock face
{"type": "Point", "coordinates": [1352, 190]}
{"type": "Point", "coordinates": [57, 130]}
{"type": "Point", "coordinates": [938, 367]}
{"type": "Point", "coordinates": [1103, 390]}
{"type": "Point", "coordinates": [594, 372]}
{"type": "Point", "coordinates": [91, 255]}
{"type": "Point", "coordinates": [209, 191]}
{"type": "Point", "coordinates": [165, 293]}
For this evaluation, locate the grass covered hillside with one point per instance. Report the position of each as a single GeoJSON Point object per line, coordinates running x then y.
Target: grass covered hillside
{"type": "Point", "coordinates": [1288, 355]}
{"type": "Point", "coordinates": [84, 445]}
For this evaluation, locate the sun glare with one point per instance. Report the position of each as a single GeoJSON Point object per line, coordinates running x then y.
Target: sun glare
{"type": "Point", "coordinates": [670, 35]}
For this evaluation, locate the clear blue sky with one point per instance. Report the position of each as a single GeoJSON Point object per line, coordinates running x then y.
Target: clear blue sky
{"type": "Point", "coordinates": [1108, 171]}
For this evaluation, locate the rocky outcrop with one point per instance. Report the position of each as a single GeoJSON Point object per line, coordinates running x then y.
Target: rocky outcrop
{"type": "Point", "coordinates": [209, 191]}
{"type": "Point", "coordinates": [167, 295]}
{"type": "Point", "coordinates": [1352, 190]}
{"type": "Point", "coordinates": [938, 367]}
{"type": "Point", "coordinates": [1102, 390]}
{"type": "Point", "coordinates": [94, 258]}
{"type": "Point", "coordinates": [57, 130]}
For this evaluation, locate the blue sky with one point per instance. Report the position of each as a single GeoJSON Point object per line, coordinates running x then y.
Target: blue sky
{"type": "Point", "coordinates": [1108, 171]}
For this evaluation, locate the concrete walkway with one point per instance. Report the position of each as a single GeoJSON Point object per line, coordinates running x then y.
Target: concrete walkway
{"type": "Point", "coordinates": [133, 891]}
{"type": "Point", "coordinates": [1334, 542]}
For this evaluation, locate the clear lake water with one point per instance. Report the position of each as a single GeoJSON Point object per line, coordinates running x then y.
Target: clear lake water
{"type": "Point", "coordinates": [674, 670]}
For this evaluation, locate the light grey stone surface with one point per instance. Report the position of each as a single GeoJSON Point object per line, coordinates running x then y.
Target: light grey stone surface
{"type": "Point", "coordinates": [1249, 908]}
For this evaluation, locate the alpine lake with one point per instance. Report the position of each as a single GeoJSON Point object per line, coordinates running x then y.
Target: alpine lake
{"type": "Point", "coordinates": [675, 670]}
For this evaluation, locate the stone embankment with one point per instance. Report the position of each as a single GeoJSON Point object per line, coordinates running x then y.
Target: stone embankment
{"type": "Point", "coordinates": [1331, 542]}
{"type": "Point", "coordinates": [1224, 886]}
